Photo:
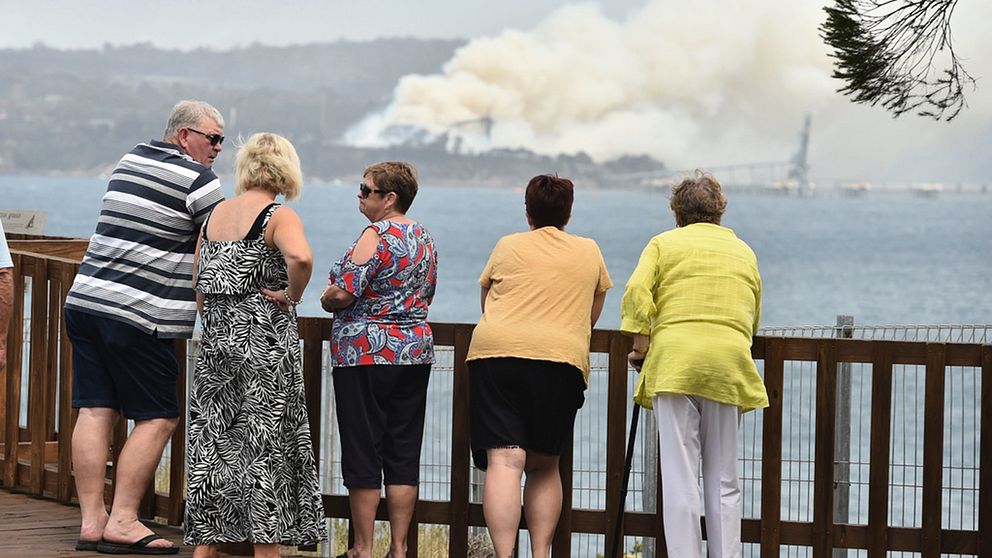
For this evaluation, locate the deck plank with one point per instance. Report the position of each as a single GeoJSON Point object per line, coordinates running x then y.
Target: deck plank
{"type": "Point", "coordinates": [46, 529]}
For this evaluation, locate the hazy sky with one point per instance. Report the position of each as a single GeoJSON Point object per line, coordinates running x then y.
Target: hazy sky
{"type": "Point", "coordinates": [695, 83]}
{"type": "Point", "coordinates": [186, 24]}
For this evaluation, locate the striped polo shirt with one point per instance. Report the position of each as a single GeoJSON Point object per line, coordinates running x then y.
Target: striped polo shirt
{"type": "Point", "coordinates": [139, 264]}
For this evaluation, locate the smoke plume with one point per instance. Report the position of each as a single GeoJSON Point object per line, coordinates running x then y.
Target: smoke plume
{"type": "Point", "coordinates": [695, 83]}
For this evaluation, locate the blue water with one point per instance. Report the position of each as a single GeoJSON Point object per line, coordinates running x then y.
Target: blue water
{"type": "Point", "coordinates": [883, 258]}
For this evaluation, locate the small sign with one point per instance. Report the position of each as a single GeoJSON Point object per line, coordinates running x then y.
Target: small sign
{"type": "Point", "coordinates": [23, 222]}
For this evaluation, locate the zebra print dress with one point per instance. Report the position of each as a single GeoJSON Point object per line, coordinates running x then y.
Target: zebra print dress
{"type": "Point", "coordinates": [250, 464]}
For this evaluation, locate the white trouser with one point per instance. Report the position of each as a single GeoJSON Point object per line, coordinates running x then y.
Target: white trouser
{"type": "Point", "coordinates": [690, 428]}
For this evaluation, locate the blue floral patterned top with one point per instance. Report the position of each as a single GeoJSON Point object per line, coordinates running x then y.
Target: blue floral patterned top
{"type": "Point", "coordinates": [387, 323]}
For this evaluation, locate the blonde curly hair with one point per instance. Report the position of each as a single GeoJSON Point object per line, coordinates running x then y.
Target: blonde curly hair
{"type": "Point", "coordinates": [268, 161]}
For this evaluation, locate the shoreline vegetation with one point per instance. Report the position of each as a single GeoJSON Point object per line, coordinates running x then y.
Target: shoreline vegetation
{"type": "Point", "coordinates": [74, 112]}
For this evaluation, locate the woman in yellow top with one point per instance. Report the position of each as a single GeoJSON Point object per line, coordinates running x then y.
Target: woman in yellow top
{"type": "Point", "coordinates": [693, 305]}
{"type": "Point", "coordinates": [542, 292]}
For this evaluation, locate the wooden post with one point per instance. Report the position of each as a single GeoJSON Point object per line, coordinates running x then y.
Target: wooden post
{"type": "Point", "coordinates": [177, 461]}
{"type": "Point", "coordinates": [985, 459]}
{"type": "Point", "coordinates": [460, 450]}
{"type": "Point", "coordinates": [38, 375]}
{"type": "Point", "coordinates": [933, 450]}
{"type": "Point", "coordinates": [616, 433]}
{"type": "Point", "coordinates": [15, 354]}
{"type": "Point", "coordinates": [823, 468]}
{"type": "Point", "coordinates": [67, 414]}
{"type": "Point", "coordinates": [878, 479]}
{"type": "Point", "coordinates": [771, 450]}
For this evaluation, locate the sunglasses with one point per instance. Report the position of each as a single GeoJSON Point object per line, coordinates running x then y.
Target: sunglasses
{"type": "Point", "coordinates": [366, 191]}
{"type": "Point", "coordinates": [214, 139]}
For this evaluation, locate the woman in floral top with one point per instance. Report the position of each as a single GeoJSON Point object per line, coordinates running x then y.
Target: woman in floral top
{"type": "Point", "coordinates": [382, 350]}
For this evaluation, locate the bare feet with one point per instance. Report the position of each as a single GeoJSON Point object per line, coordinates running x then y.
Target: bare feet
{"type": "Point", "coordinates": [131, 531]}
{"type": "Point", "coordinates": [205, 551]}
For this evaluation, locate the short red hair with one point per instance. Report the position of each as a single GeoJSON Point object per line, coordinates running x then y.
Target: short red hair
{"type": "Point", "coordinates": [549, 201]}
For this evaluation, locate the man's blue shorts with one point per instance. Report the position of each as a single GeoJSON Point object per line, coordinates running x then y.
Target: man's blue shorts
{"type": "Point", "coordinates": [118, 366]}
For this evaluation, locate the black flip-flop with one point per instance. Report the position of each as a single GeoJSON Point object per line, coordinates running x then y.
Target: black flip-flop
{"type": "Point", "coordinates": [86, 545]}
{"type": "Point", "coordinates": [138, 547]}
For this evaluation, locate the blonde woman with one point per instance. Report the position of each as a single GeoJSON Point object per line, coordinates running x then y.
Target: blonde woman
{"type": "Point", "coordinates": [252, 475]}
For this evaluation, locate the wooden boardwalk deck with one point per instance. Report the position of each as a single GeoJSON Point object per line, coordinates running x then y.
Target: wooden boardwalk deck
{"type": "Point", "coordinates": [36, 528]}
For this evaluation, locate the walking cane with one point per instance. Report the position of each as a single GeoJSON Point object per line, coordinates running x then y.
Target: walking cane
{"type": "Point", "coordinates": [617, 536]}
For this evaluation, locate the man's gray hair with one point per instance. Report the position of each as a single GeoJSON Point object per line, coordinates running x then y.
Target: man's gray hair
{"type": "Point", "coordinates": [188, 114]}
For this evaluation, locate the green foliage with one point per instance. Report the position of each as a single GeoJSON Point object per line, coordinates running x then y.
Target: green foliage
{"type": "Point", "coordinates": [897, 54]}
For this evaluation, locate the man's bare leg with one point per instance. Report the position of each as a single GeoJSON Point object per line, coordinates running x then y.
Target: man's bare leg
{"type": "Point", "coordinates": [135, 471]}
{"type": "Point", "coordinates": [90, 442]}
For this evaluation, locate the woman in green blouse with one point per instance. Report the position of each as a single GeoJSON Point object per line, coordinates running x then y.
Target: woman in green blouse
{"type": "Point", "coordinates": [692, 305]}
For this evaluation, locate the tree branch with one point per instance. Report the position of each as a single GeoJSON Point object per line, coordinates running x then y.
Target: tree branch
{"type": "Point", "coordinates": [898, 54]}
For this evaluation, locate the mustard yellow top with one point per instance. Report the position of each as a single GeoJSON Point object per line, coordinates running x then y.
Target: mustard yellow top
{"type": "Point", "coordinates": [541, 287]}
{"type": "Point", "coordinates": [696, 292]}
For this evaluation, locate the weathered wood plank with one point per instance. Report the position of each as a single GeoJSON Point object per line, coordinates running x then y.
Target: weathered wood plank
{"type": "Point", "coordinates": [177, 464]}
{"type": "Point", "coordinates": [933, 449]}
{"type": "Point", "coordinates": [985, 459]}
{"type": "Point", "coordinates": [38, 376]}
{"type": "Point", "coordinates": [616, 434]}
{"type": "Point", "coordinates": [460, 450]}
{"type": "Point", "coordinates": [44, 528]}
{"type": "Point", "coordinates": [823, 467]}
{"type": "Point", "coordinates": [15, 355]}
{"type": "Point", "coordinates": [67, 415]}
{"type": "Point", "coordinates": [771, 450]}
{"type": "Point", "coordinates": [878, 474]}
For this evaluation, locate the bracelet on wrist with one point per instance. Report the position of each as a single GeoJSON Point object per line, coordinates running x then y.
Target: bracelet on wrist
{"type": "Point", "coordinates": [289, 299]}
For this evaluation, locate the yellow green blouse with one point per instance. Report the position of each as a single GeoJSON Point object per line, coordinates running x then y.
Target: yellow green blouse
{"type": "Point", "coordinates": [696, 292]}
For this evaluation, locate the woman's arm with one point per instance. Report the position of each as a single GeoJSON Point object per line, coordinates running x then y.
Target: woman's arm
{"type": "Point", "coordinates": [482, 300]}
{"type": "Point", "coordinates": [196, 262]}
{"type": "Point", "coordinates": [285, 232]}
{"type": "Point", "coordinates": [597, 307]}
{"type": "Point", "coordinates": [334, 297]}
{"type": "Point", "coordinates": [636, 356]}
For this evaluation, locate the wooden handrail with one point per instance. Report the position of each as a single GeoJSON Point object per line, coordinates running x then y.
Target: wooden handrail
{"type": "Point", "coordinates": [36, 458]}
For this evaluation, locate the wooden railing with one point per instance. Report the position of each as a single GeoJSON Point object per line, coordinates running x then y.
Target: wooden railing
{"type": "Point", "coordinates": [36, 458]}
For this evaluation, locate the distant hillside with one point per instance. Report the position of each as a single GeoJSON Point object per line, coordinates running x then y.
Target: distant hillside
{"type": "Point", "coordinates": [76, 111]}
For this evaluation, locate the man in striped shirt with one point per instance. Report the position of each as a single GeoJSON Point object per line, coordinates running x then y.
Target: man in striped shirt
{"type": "Point", "coordinates": [132, 298]}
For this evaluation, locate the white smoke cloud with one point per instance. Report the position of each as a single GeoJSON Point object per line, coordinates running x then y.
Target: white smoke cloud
{"type": "Point", "coordinates": [694, 83]}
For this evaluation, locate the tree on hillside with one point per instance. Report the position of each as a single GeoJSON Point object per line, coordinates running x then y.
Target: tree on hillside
{"type": "Point", "coordinates": [899, 54]}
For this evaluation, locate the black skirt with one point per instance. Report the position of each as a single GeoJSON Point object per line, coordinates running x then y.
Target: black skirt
{"type": "Point", "coordinates": [516, 402]}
